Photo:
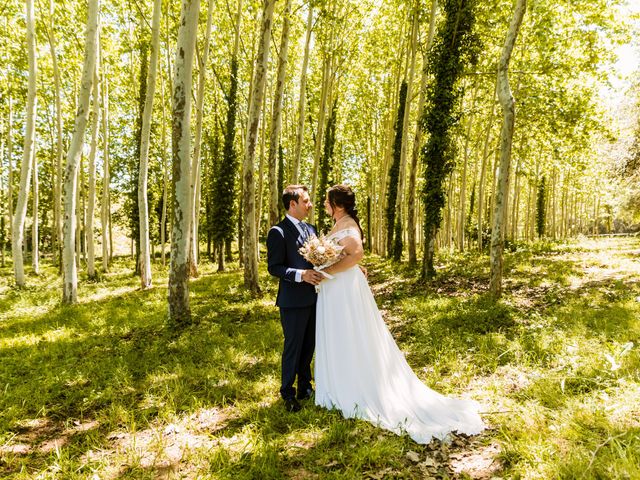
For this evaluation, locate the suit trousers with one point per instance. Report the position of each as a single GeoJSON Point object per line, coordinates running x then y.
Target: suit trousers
{"type": "Point", "coordinates": [299, 328]}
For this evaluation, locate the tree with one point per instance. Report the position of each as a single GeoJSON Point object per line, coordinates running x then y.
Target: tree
{"type": "Point", "coordinates": [57, 185]}
{"type": "Point", "coordinates": [541, 207]}
{"type": "Point", "coordinates": [91, 201]}
{"type": "Point", "coordinates": [506, 140]}
{"type": "Point", "coordinates": [70, 274]}
{"type": "Point", "coordinates": [195, 171]}
{"type": "Point", "coordinates": [326, 169]}
{"type": "Point", "coordinates": [28, 152]}
{"type": "Point", "coordinates": [179, 311]}
{"type": "Point", "coordinates": [250, 245]}
{"type": "Point", "coordinates": [224, 183]}
{"type": "Point", "coordinates": [276, 118]}
{"type": "Point", "coordinates": [143, 203]}
{"type": "Point", "coordinates": [454, 46]}
{"type": "Point", "coordinates": [394, 169]}
{"type": "Point", "coordinates": [105, 207]}
{"type": "Point", "coordinates": [417, 141]}
{"type": "Point", "coordinates": [295, 174]}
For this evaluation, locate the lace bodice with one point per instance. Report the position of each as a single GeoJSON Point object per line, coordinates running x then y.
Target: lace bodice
{"type": "Point", "coordinates": [344, 233]}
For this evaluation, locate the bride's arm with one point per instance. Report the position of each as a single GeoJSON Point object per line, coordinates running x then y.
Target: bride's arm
{"type": "Point", "coordinates": [352, 254]}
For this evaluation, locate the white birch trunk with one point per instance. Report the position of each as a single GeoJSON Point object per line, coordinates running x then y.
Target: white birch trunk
{"type": "Point", "coordinates": [263, 140]}
{"type": "Point", "coordinates": [10, 166]}
{"type": "Point", "coordinates": [57, 183]}
{"type": "Point", "coordinates": [3, 202]}
{"type": "Point", "coordinates": [506, 137]}
{"type": "Point", "coordinates": [195, 172]}
{"type": "Point", "coordinates": [295, 175]}
{"type": "Point", "coordinates": [91, 200]}
{"type": "Point", "coordinates": [250, 240]}
{"type": "Point", "coordinates": [70, 274]}
{"type": "Point", "coordinates": [179, 311]}
{"type": "Point", "coordinates": [106, 177]}
{"type": "Point", "coordinates": [35, 251]}
{"type": "Point", "coordinates": [165, 178]}
{"type": "Point", "coordinates": [143, 205]}
{"type": "Point", "coordinates": [17, 239]}
{"type": "Point", "coordinates": [276, 117]}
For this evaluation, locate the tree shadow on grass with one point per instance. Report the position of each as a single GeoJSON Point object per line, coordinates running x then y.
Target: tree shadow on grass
{"type": "Point", "coordinates": [115, 360]}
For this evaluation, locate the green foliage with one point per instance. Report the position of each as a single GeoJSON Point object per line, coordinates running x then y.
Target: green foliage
{"type": "Point", "coordinates": [394, 176]}
{"type": "Point", "coordinates": [224, 187]}
{"type": "Point", "coordinates": [397, 238]}
{"type": "Point", "coordinates": [326, 170]}
{"type": "Point", "coordinates": [541, 207]}
{"type": "Point", "coordinates": [455, 46]}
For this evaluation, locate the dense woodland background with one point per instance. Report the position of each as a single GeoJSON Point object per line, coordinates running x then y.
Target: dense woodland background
{"type": "Point", "coordinates": [494, 147]}
{"type": "Point", "coordinates": [398, 99]}
{"type": "Point", "coordinates": [367, 93]}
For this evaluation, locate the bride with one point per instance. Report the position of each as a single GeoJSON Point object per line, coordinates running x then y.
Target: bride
{"type": "Point", "coordinates": [359, 369]}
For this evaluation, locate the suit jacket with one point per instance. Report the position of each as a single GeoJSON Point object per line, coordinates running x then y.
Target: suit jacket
{"type": "Point", "coordinates": [283, 259]}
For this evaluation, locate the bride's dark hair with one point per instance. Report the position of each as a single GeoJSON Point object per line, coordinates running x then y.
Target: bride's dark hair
{"type": "Point", "coordinates": [342, 196]}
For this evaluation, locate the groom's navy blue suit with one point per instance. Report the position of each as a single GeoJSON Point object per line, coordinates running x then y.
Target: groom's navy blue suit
{"type": "Point", "coordinates": [297, 302]}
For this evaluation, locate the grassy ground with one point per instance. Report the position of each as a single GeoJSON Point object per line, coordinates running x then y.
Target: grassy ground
{"type": "Point", "coordinates": [103, 390]}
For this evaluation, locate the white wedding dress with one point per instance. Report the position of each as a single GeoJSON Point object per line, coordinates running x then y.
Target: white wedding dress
{"type": "Point", "coordinates": [360, 370]}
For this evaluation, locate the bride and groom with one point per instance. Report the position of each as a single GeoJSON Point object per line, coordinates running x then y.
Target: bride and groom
{"type": "Point", "coordinates": [359, 369]}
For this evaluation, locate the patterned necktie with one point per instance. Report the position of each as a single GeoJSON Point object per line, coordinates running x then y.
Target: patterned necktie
{"type": "Point", "coordinates": [305, 230]}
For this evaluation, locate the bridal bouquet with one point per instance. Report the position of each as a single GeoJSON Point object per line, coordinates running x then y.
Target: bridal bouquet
{"type": "Point", "coordinates": [321, 252]}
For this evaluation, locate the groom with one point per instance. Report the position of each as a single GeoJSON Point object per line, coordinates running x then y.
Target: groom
{"type": "Point", "coordinates": [296, 294]}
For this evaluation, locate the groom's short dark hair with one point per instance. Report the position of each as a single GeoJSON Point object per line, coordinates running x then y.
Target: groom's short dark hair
{"type": "Point", "coordinates": [292, 192]}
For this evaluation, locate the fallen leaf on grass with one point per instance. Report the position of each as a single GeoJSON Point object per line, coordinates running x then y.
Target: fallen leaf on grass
{"type": "Point", "coordinates": [413, 456]}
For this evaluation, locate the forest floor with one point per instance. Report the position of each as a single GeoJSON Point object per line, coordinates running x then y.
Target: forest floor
{"type": "Point", "coordinates": [103, 389]}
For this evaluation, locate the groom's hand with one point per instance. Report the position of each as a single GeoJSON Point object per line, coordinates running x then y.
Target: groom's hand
{"type": "Point", "coordinates": [312, 277]}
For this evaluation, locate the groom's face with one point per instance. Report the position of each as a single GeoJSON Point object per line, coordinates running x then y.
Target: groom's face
{"type": "Point", "coordinates": [302, 207]}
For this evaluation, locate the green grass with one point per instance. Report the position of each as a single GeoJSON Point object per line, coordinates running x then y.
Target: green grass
{"type": "Point", "coordinates": [104, 390]}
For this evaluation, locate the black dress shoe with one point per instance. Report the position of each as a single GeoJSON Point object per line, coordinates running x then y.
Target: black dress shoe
{"type": "Point", "coordinates": [292, 405]}
{"type": "Point", "coordinates": [305, 394]}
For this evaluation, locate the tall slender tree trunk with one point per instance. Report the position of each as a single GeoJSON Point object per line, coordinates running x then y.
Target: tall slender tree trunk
{"type": "Point", "coordinates": [276, 117]}
{"type": "Point", "coordinates": [179, 311]}
{"type": "Point", "coordinates": [462, 207]}
{"type": "Point", "coordinates": [143, 204]}
{"type": "Point", "coordinates": [106, 180]}
{"type": "Point", "coordinates": [3, 201]}
{"type": "Point", "coordinates": [483, 170]}
{"type": "Point", "coordinates": [506, 137]}
{"type": "Point", "coordinates": [250, 253]}
{"type": "Point", "coordinates": [57, 184]}
{"type": "Point", "coordinates": [79, 211]}
{"type": "Point", "coordinates": [400, 199]}
{"type": "Point", "coordinates": [28, 152]}
{"type": "Point", "coordinates": [295, 174]}
{"type": "Point", "coordinates": [165, 178]}
{"type": "Point", "coordinates": [195, 170]}
{"type": "Point", "coordinates": [317, 150]}
{"type": "Point", "coordinates": [263, 141]}
{"type": "Point", "coordinates": [70, 282]}
{"type": "Point", "coordinates": [91, 202]}
{"type": "Point", "coordinates": [415, 154]}
{"type": "Point", "coordinates": [35, 251]}
{"type": "Point", "coordinates": [10, 167]}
